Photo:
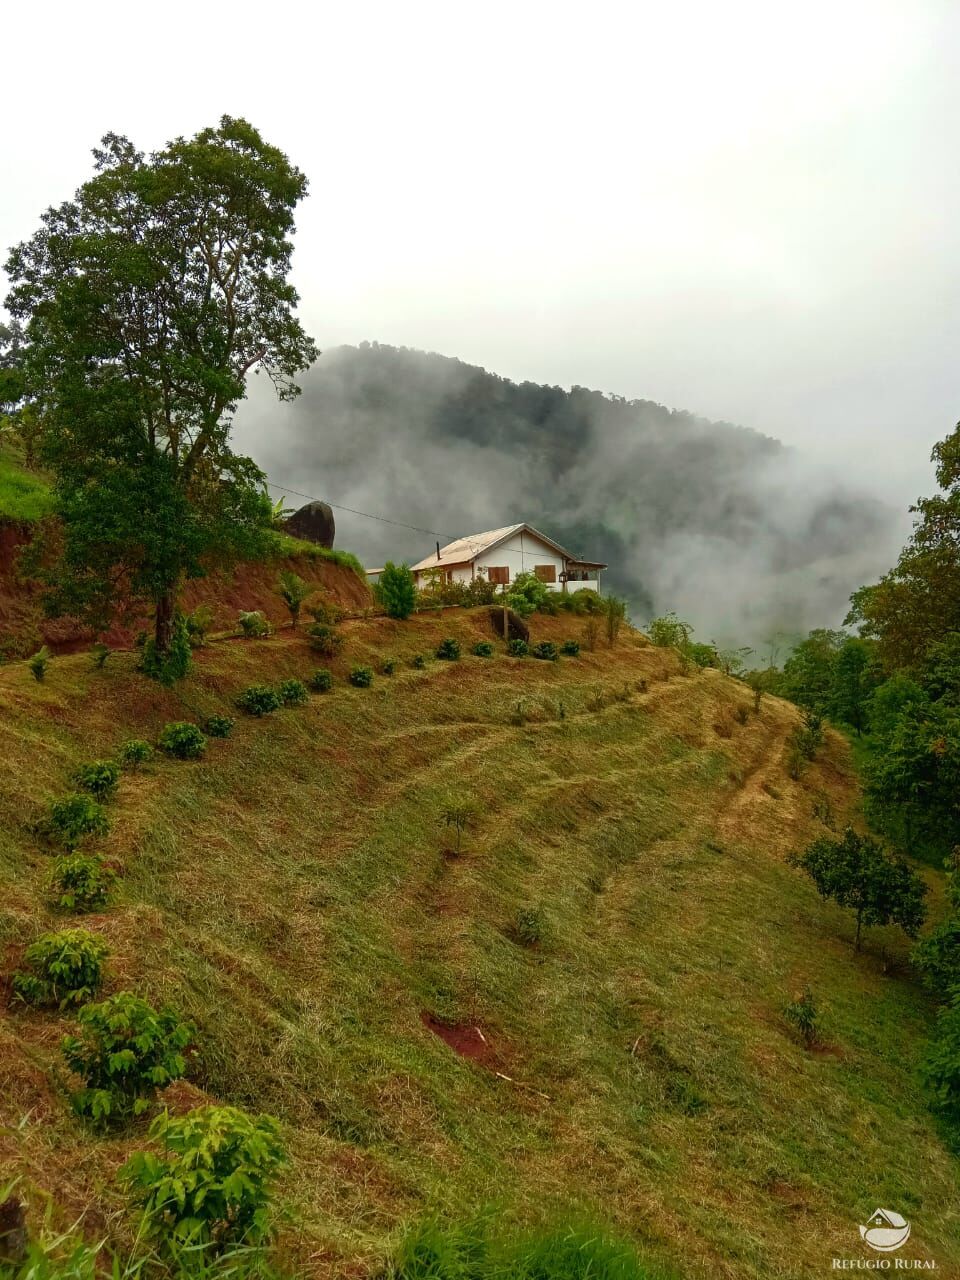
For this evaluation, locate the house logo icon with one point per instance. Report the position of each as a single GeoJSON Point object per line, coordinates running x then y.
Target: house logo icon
{"type": "Point", "coordinates": [886, 1231]}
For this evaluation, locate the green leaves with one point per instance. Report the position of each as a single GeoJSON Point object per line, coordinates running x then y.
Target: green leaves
{"type": "Point", "coordinates": [396, 590]}
{"type": "Point", "coordinates": [212, 1183]}
{"type": "Point", "coordinates": [146, 301]}
{"type": "Point", "coordinates": [125, 1051]}
{"type": "Point", "coordinates": [858, 874]}
{"type": "Point", "coordinates": [63, 968]}
{"type": "Point", "coordinates": [76, 817]}
{"type": "Point", "coordinates": [182, 740]}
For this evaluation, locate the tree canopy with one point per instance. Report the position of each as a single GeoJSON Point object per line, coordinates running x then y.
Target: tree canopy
{"type": "Point", "coordinates": [145, 301]}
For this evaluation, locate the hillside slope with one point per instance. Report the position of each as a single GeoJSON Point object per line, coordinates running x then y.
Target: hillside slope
{"type": "Point", "coordinates": [296, 893]}
{"type": "Point", "coordinates": [26, 497]}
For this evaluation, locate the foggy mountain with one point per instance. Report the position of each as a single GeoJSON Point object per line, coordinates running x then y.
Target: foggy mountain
{"type": "Point", "coordinates": [734, 531]}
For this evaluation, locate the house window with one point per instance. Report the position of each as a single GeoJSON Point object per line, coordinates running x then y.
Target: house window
{"type": "Point", "coordinates": [546, 572]}
{"type": "Point", "coordinates": [500, 574]}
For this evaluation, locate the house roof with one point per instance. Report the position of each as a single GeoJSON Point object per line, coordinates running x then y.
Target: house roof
{"type": "Point", "coordinates": [465, 550]}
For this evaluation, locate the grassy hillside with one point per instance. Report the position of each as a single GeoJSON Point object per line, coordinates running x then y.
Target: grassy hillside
{"type": "Point", "coordinates": [24, 496]}
{"type": "Point", "coordinates": [299, 897]}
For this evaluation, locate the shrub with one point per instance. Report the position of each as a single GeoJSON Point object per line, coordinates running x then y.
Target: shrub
{"type": "Point", "coordinates": [173, 665]}
{"type": "Point", "coordinates": [546, 650]}
{"type": "Point", "coordinates": [99, 778]}
{"type": "Point", "coordinates": [807, 738]}
{"type": "Point", "coordinates": [483, 649]}
{"type": "Point", "coordinates": [182, 740]}
{"type": "Point", "coordinates": [82, 882]}
{"type": "Point", "coordinates": [668, 632]}
{"type": "Point", "coordinates": [253, 623]}
{"type": "Point", "coordinates": [614, 613]}
{"type": "Point", "coordinates": [61, 968]}
{"type": "Point", "coordinates": [591, 633]}
{"type": "Point", "coordinates": [134, 752]}
{"type": "Point", "coordinates": [218, 726]}
{"type": "Point", "coordinates": [38, 663]}
{"type": "Point", "coordinates": [526, 594]}
{"type": "Point", "coordinates": [211, 1185]}
{"type": "Point", "coordinates": [361, 677]}
{"type": "Point", "coordinates": [396, 590]}
{"type": "Point", "coordinates": [99, 653]}
{"type": "Point", "coordinates": [293, 591]}
{"type": "Point", "coordinates": [292, 693]}
{"type": "Point", "coordinates": [448, 649]}
{"type": "Point", "coordinates": [326, 611]}
{"type": "Point", "coordinates": [741, 714]}
{"type": "Point", "coordinates": [199, 623]}
{"type": "Point", "coordinates": [325, 639]}
{"type": "Point", "coordinates": [570, 648]}
{"type": "Point", "coordinates": [388, 666]}
{"type": "Point", "coordinates": [418, 661]}
{"type": "Point", "coordinates": [126, 1050]}
{"type": "Point", "coordinates": [76, 817]}
{"type": "Point", "coordinates": [529, 926]}
{"type": "Point", "coordinates": [517, 648]}
{"type": "Point", "coordinates": [258, 700]}
{"type": "Point", "coordinates": [321, 681]}
{"type": "Point", "coordinates": [804, 1016]}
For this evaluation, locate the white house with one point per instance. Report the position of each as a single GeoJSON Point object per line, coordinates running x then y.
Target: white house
{"type": "Point", "coordinates": [500, 554]}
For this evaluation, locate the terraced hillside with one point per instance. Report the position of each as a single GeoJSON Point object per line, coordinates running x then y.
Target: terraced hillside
{"type": "Point", "coordinates": [579, 1008]}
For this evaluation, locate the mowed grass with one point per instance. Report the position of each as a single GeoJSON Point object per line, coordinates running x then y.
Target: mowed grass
{"type": "Point", "coordinates": [298, 895]}
{"type": "Point", "coordinates": [24, 496]}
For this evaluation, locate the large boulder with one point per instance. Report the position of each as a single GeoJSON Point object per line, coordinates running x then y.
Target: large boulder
{"type": "Point", "coordinates": [313, 523]}
{"type": "Point", "coordinates": [516, 628]}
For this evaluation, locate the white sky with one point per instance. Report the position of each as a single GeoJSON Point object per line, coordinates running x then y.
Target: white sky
{"type": "Point", "coordinates": [750, 210]}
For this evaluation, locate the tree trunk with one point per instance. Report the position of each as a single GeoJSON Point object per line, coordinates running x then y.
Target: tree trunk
{"type": "Point", "coordinates": [163, 621]}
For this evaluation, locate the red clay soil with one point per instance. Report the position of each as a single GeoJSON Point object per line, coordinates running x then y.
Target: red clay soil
{"type": "Point", "coordinates": [466, 1041]}
{"type": "Point", "coordinates": [248, 586]}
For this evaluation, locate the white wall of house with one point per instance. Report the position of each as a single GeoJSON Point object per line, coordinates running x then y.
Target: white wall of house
{"type": "Point", "coordinates": [521, 554]}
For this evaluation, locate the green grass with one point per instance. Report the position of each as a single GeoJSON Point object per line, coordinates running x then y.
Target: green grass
{"type": "Point", "coordinates": [24, 496]}
{"type": "Point", "coordinates": [284, 545]}
{"type": "Point", "coordinates": [295, 895]}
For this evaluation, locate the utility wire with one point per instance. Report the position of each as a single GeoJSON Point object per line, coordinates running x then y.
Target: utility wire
{"type": "Point", "coordinates": [399, 524]}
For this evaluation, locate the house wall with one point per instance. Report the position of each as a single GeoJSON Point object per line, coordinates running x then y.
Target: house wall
{"type": "Point", "coordinates": [521, 554]}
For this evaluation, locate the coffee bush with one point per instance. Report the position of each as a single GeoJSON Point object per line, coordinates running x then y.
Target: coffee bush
{"type": "Point", "coordinates": [182, 740]}
{"type": "Point", "coordinates": [99, 778]}
{"type": "Point", "coordinates": [211, 1183]}
{"type": "Point", "coordinates": [134, 753]}
{"type": "Point", "coordinates": [63, 968]}
{"type": "Point", "coordinates": [292, 693]}
{"type": "Point", "coordinates": [75, 818]}
{"type": "Point", "coordinates": [218, 726]}
{"type": "Point", "coordinates": [321, 681]}
{"type": "Point", "coordinates": [125, 1051]}
{"type": "Point", "coordinates": [258, 700]}
{"type": "Point", "coordinates": [82, 882]}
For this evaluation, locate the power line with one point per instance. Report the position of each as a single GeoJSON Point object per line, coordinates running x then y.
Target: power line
{"type": "Point", "coordinates": [401, 524]}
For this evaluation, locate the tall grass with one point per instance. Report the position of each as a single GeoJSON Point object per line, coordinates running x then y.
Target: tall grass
{"type": "Point", "coordinates": [582, 1251]}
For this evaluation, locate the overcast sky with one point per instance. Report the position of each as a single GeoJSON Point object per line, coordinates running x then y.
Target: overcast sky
{"type": "Point", "coordinates": [749, 210]}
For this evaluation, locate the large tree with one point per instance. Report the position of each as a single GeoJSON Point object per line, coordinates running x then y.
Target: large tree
{"type": "Point", "coordinates": [917, 603]}
{"type": "Point", "coordinates": [146, 301]}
